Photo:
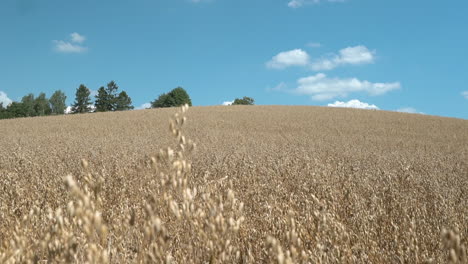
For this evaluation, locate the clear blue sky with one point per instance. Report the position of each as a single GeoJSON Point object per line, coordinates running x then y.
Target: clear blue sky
{"type": "Point", "coordinates": [394, 55]}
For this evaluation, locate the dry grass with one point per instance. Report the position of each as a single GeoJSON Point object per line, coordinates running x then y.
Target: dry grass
{"type": "Point", "coordinates": [265, 184]}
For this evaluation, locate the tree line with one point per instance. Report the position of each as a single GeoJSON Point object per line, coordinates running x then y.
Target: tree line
{"type": "Point", "coordinates": [108, 98]}
{"type": "Point", "coordinates": [35, 106]}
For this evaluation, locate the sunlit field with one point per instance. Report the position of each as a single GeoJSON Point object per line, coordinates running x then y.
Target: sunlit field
{"type": "Point", "coordinates": [234, 184]}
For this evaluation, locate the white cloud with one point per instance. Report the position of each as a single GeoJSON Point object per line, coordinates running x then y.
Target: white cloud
{"type": "Point", "coordinates": [296, 57]}
{"type": "Point", "coordinates": [68, 110]}
{"type": "Point", "coordinates": [465, 94]}
{"type": "Point", "coordinates": [144, 106]}
{"type": "Point", "coordinates": [77, 38]}
{"type": "Point", "coordinates": [4, 99]}
{"type": "Point", "coordinates": [410, 110]}
{"type": "Point", "coordinates": [350, 55]}
{"type": "Point", "coordinates": [67, 47]}
{"type": "Point", "coordinates": [228, 103]}
{"type": "Point", "coordinates": [72, 46]}
{"type": "Point", "coordinates": [354, 104]}
{"type": "Point", "coordinates": [320, 87]}
{"type": "Point", "coordinates": [300, 3]}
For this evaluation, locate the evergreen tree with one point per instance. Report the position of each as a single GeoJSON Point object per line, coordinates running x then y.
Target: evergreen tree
{"type": "Point", "coordinates": [108, 99]}
{"type": "Point", "coordinates": [123, 102]}
{"type": "Point", "coordinates": [41, 105]}
{"type": "Point", "coordinates": [82, 100]}
{"type": "Point", "coordinates": [111, 90]}
{"type": "Point", "coordinates": [57, 103]}
{"type": "Point", "coordinates": [103, 100]}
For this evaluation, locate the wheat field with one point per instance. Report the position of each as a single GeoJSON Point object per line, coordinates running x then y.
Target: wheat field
{"type": "Point", "coordinates": [235, 184]}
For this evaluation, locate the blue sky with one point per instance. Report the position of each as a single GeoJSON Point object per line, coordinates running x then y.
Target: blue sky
{"type": "Point", "coordinates": [392, 55]}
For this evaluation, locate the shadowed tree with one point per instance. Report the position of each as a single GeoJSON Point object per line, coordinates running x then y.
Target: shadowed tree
{"type": "Point", "coordinates": [123, 102]}
{"type": "Point", "coordinates": [17, 109]}
{"type": "Point", "coordinates": [82, 100]}
{"type": "Point", "coordinates": [103, 100]}
{"type": "Point", "coordinates": [108, 99]}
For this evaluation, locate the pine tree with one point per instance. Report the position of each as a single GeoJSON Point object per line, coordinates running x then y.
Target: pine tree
{"type": "Point", "coordinates": [103, 100]}
{"type": "Point", "coordinates": [82, 100]}
{"type": "Point", "coordinates": [123, 102]}
{"type": "Point", "coordinates": [108, 99]}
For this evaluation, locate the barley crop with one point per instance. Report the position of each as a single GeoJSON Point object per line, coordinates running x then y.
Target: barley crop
{"type": "Point", "coordinates": [238, 184]}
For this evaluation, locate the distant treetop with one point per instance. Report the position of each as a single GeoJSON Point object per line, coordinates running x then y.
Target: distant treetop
{"type": "Point", "coordinates": [176, 97]}
{"type": "Point", "coordinates": [244, 101]}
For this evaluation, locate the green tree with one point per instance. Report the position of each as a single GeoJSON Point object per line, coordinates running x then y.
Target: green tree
{"type": "Point", "coordinates": [244, 101]}
{"type": "Point", "coordinates": [82, 100]}
{"type": "Point", "coordinates": [112, 89]}
{"type": "Point", "coordinates": [28, 102]}
{"type": "Point", "coordinates": [176, 97]}
{"type": "Point", "coordinates": [41, 105]}
{"type": "Point", "coordinates": [108, 99]}
{"type": "Point", "coordinates": [17, 109]}
{"type": "Point", "coordinates": [103, 101]}
{"type": "Point", "coordinates": [3, 112]}
{"type": "Point", "coordinates": [57, 103]}
{"type": "Point", "coordinates": [123, 102]}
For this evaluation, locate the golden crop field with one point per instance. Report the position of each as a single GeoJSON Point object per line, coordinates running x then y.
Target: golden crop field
{"type": "Point", "coordinates": [234, 184]}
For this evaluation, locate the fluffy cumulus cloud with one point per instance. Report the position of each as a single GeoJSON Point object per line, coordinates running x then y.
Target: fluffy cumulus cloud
{"type": "Point", "coordinates": [144, 106]}
{"type": "Point", "coordinates": [356, 55]}
{"type": "Point", "coordinates": [68, 110]}
{"type": "Point", "coordinates": [296, 57]}
{"type": "Point", "coordinates": [4, 99]}
{"type": "Point", "coordinates": [73, 45]}
{"type": "Point", "coordinates": [354, 104]}
{"type": "Point", "coordinates": [228, 103]}
{"type": "Point", "coordinates": [347, 56]}
{"type": "Point", "coordinates": [465, 94]}
{"type": "Point", "coordinates": [77, 38]}
{"type": "Point", "coordinates": [320, 87]}
{"type": "Point", "coordinates": [300, 3]}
